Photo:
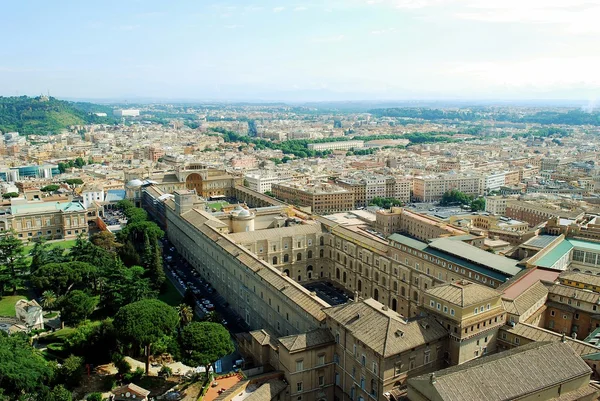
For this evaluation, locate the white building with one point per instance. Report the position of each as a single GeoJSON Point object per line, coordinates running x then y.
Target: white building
{"type": "Point", "coordinates": [495, 205]}
{"type": "Point", "coordinates": [375, 187]}
{"type": "Point", "coordinates": [126, 113]}
{"type": "Point", "coordinates": [494, 181]}
{"type": "Point", "coordinates": [262, 181]}
{"type": "Point", "coordinates": [92, 195]}
{"type": "Point", "coordinates": [342, 145]}
{"type": "Point", "coordinates": [30, 314]}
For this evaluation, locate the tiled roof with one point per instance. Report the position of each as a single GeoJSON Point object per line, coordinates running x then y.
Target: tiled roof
{"type": "Point", "coordinates": [383, 330]}
{"type": "Point", "coordinates": [310, 339]}
{"type": "Point", "coordinates": [526, 299]}
{"type": "Point", "coordinates": [571, 292]}
{"type": "Point", "coordinates": [508, 375]}
{"type": "Point", "coordinates": [581, 278]}
{"type": "Point", "coordinates": [463, 293]}
{"type": "Point", "coordinates": [539, 334]}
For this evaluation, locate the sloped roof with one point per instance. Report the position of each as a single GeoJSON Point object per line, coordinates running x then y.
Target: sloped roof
{"type": "Point", "coordinates": [539, 334]}
{"type": "Point", "coordinates": [507, 375]}
{"type": "Point", "coordinates": [463, 293]}
{"type": "Point", "coordinates": [383, 330]}
{"type": "Point", "coordinates": [526, 299]}
{"type": "Point", "coordinates": [310, 339]}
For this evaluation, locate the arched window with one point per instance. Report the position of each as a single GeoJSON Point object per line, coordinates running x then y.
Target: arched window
{"type": "Point", "coordinates": [376, 294]}
{"type": "Point", "coordinates": [286, 272]}
{"type": "Point", "coordinates": [337, 273]}
{"type": "Point", "coordinates": [344, 277]}
{"type": "Point", "coordinates": [299, 257]}
{"type": "Point", "coordinates": [320, 253]}
{"type": "Point", "coordinates": [403, 291]}
{"type": "Point", "coordinates": [359, 287]}
{"type": "Point", "coordinates": [394, 305]}
{"type": "Point", "coordinates": [309, 255]}
{"type": "Point", "coordinates": [321, 241]}
{"type": "Point", "coordinates": [286, 258]}
{"type": "Point", "coordinates": [395, 286]}
{"type": "Point", "coordinates": [274, 260]}
{"type": "Point", "coordinates": [416, 296]}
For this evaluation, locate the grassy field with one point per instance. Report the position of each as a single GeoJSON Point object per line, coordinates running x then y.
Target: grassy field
{"type": "Point", "coordinates": [218, 205]}
{"type": "Point", "coordinates": [67, 244]}
{"type": "Point", "coordinates": [7, 304]}
{"type": "Point", "coordinates": [171, 296]}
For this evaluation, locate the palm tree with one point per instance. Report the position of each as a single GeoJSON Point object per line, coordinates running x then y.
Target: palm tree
{"type": "Point", "coordinates": [186, 314]}
{"type": "Point", "coordinates": [48, 299]}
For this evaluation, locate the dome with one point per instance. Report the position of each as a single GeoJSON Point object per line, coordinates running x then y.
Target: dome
{"type": "Point", "coordinates": [238, 208]}
{"type": "Point", "coordinates": [244, 213]}
{"type": "Point", "coordinates": [134, 184]}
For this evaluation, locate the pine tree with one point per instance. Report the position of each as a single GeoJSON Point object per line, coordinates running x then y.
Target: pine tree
{"type": "Point", "coordinates": [13, 267]}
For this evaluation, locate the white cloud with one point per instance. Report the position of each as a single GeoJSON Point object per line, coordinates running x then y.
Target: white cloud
{"type": "Point", "coordinates": [383, 31]}
{"type": "Point", "coordinates": [278, 9]}
{"type": "Point", "coordinates": [301, 8]}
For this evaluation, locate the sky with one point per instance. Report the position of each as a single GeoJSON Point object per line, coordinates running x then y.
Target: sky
{"type": "Point", "coordinates": [301, 50]}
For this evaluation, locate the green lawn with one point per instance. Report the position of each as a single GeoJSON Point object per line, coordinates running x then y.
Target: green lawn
{"type": "Point", "coordinates": [59, 336]}
{"type": "Point", "coordinates": [171, 296]}
{"type": "Point", "coordinates": [218, 205]}
{"type": "Point", "coordinates": [7, 304]}
{"type": "Point", "coordinates": [67, 244]}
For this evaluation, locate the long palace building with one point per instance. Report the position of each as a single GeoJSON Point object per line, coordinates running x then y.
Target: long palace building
{"type": "Point", "coordinates": [417, 307]}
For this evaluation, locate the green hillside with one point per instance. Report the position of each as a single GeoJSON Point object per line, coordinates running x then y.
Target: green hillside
{"type": "Point", "coordinates": [43, 115]}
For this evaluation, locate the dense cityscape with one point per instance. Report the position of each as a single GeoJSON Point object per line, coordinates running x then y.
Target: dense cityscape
{"type": "Point", "coordinates": [337, 200]}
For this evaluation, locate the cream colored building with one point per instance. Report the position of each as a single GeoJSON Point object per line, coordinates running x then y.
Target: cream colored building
{"type": "Point", "coordinates": [431, 188]}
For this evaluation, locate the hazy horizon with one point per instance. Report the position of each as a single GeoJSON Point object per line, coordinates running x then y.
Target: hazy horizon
{"type": "Point", "coordinates": [269, 51]}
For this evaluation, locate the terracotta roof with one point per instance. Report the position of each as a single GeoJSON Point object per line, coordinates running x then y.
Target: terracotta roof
{"type": "Point", "coordinates": [383, 330]}
{"type": "Point", "coordinates": [463, 293]}
{"type": "Point", "coordinates": [507, 375]}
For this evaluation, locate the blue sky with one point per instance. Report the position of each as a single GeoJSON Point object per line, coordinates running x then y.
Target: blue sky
{"type": "Point", "coordinates": [305, 50]}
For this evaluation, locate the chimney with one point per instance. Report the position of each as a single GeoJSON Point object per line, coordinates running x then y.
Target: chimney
{"type": "Point", "coordinates": [564, 338]}
{"type": "Point", "coordinates": [355, 296]}
{"type": "Point", "coordinates": [432, 378]}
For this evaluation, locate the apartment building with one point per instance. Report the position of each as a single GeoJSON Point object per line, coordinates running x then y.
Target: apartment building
{"type": "Point", "coordinates": [534, 213]}
{"type": "Point", "coordinates": [471, 313]}
{"type": "Point", "coordinates": [419, 226]}
{"type": "Point", "coordinates": [48, 220]}
{"type": "Point", "coordinates": [431, 188]}
{"type": "Point", "coordinates": [341, 145]}
{"type": "Point", "coordinates": [322, 198]}
{"type": "Point", "coordinates": [494, 181]}
{"type": "Point", "coordinates": [262, 182]}
{"type": "Point", "coordinates": [495, 205]}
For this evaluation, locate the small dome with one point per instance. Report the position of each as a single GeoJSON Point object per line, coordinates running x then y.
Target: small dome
{"type": "Point", "coordinates": [134, 184]}
{"type": "Point", "coordinates": [244, 213]}
{"type": "Point", "coordinates": [238, 208]}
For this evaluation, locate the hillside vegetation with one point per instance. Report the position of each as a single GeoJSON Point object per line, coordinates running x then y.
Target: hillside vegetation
{"type": "Point", "coordinates": [43, 115]}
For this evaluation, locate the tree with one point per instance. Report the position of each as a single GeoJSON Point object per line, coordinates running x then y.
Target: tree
{"type": "Point", "coordinates": [71, 371]}
{"type": "Point", "coordinates": [42, 254]}
{"type": "Point", "coordinates": [49, 299]}
{"type": "Point", "coordinates": [13, 268]}
{"type": "Point", "coordinates": [145, 322]}
{"type": "Point", "coordinates": [74, 181]}
{"type": "Point", "coordinates": [105, 240]}
{"type": "Point", "coordinates": [59, 393]}
{"type": "Point", "coordinates": [76, 307]}
{"type": "Point", "coordinates": [455, 197]}
{"type": "Point", "coordinates": [186, 314]}
{"type": "Point", "coordinates": [189, 298]}
{"type": "Point", "coordinates": [79, 162]}
{"type": "Point", "coordinates": [61, 277]}
{"type": "Point", "coordinates": [478, 204]}
{"type": "Point", "coordinates": [10, 195]}
{"type": "Point", "coordinates": [50, 188]}
{"type": "Point", "coordinates": [22, 369]}
{"type": "Point", "coordinates": [124, 285]}
{"type": "Point", "coordinates": [94, 340]}
{"type": "Point", "coordinates": [204, 343]}
{"type": "Point", "coordinates": [95, 397]}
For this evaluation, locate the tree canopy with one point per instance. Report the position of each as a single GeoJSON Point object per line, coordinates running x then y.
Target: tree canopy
{"type": "Point", "coordinates": [203, 343]}
{"type": "Point", "coordinates": [76, 307]}
{"type": "Point", "coordinates": [60, 277]}
{"type": "Point", "coordinates": [144, 322]}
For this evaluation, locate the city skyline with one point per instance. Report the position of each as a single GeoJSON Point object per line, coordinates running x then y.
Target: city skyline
{"type": "Point", "coordinates": [304, 51]}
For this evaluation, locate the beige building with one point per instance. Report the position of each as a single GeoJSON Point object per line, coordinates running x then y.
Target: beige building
{"type": "Point", "coordinates": [322, 198]}
{"type": "Point", "coordinates": [538, 371]}
{"type": "Point", "coordinates": [419, 226]}
{"type": "Point", "coordinates": [495, 205]}
{"type": "Point", "coordinates": [431, 188]}
{"type": "Point", "coordinates": [49, 220]}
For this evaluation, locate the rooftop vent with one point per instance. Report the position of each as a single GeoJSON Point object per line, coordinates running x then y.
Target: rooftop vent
{"type": "Point", "coordinates": [399, 333]}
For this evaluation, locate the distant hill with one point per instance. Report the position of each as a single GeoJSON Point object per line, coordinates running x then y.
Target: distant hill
{"type": "Point", "coordinates": [47, 115]}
